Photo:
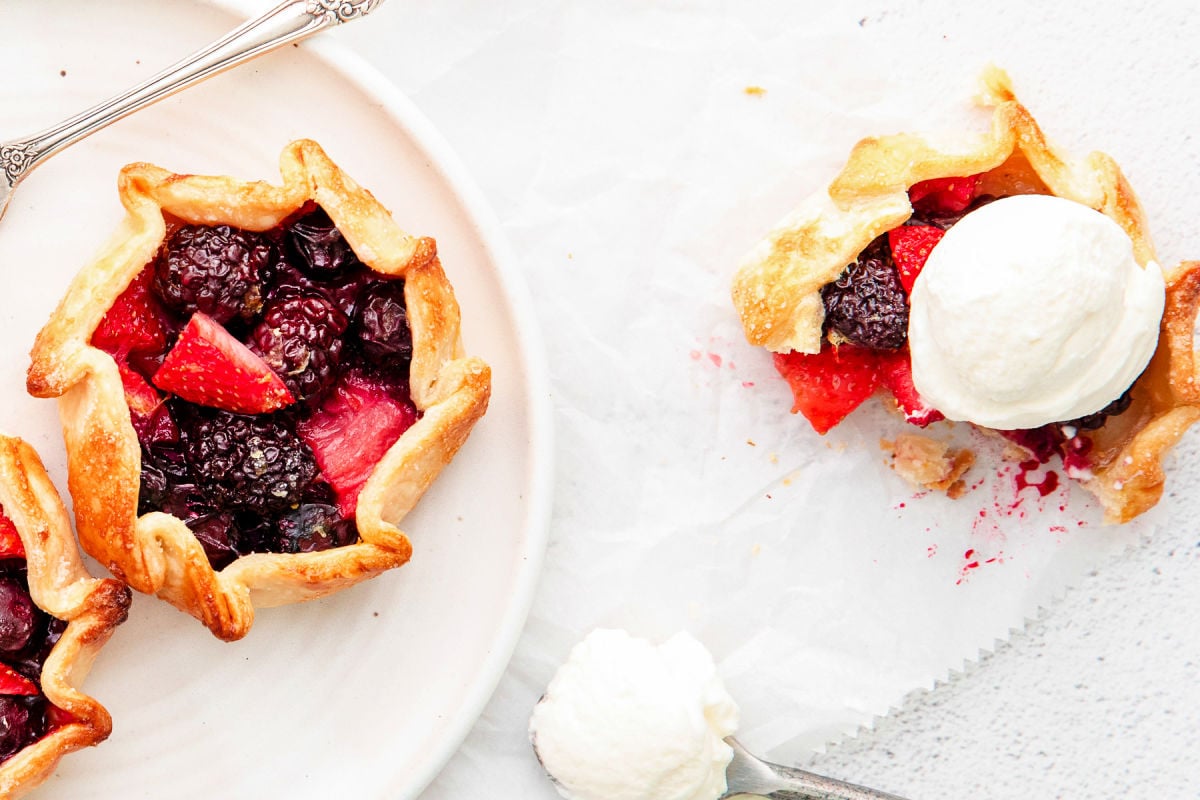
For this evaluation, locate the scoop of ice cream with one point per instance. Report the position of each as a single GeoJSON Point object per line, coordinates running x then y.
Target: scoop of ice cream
{"type": "Point", "coordinates": [1030, 310]}
{"type": "Point", "coordinates": [624, 719]}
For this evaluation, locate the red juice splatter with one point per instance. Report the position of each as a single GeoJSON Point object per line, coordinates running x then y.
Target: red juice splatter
{"type": "Point", "coordinates": [973, 562]}
{"type": "Point", "coordinates": [1048, 483]}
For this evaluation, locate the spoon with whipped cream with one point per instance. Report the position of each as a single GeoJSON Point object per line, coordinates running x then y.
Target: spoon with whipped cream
{"type": "Point", "coordinates": [624, 719]}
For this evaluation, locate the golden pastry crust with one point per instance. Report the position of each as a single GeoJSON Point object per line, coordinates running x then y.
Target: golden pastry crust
{"type": "Point", "coordinates": [59, 585]}
{"type": "Point", "coordinates": [157, 553]}
{"type": "Point", "coordinates": [929, 464]}
{"type": "Point", "coordinates": [777, 286]}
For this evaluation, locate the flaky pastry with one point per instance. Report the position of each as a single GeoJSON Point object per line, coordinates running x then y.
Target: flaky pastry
{"type": "Point", "coordinates": [60, 586]}
{"type": "Point", "coordinates": [157, 553]}
{"type": "Point", "coordinates": [778, 285]}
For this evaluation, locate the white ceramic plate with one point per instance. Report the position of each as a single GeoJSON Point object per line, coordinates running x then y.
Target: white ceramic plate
{"type": "Point", "coordinates": [366, 693]}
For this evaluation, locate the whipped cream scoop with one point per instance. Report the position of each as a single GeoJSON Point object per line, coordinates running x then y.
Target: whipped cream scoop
{"type": "Point", "coordinates": [624, 719]}
{"type": "Point", "coordinates": [1030, 310]}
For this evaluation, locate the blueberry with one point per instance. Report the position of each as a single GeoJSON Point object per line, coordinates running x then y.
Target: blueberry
{"type": "Point", "coordinates": [383, 331]}
{"type": "Point", "coordinates": [318, 247]}
{"type": "Point", "coordinates": [17, 615]}
{"type": "Point", "coordinates": [313, 526]}
{"type": "Point", "coordinates": [17, 726]}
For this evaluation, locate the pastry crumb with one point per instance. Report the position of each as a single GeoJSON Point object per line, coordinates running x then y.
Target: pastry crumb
{"type": "Point", "coordinates": [928, 463]}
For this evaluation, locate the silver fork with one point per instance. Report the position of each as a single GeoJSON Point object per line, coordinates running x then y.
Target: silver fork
{"type": "Point", "coordinates": [748, 774]}
{"type": "Point", "coordinates": [287, 22]}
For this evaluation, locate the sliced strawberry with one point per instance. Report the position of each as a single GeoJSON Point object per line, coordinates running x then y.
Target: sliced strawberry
{"type": "Point", "coordinates": [209, 367]}
{"type": "Point", "coordinates": [895, 372]}
{"type": "Point", "coordinates": [140, 396]}
{"type": "Point", "coordinates": [132, 324]}
{"type": "Point", "coordinates": [944, 195]}
{"type": "Point", "coordinates": [150, 416]}
{"type": "Point", "coordinates": [57, 717]}
{"type": "Point", "coordinates": [353, 429]}
{"type": "Point", "coordinates": [910, 246]}
{"type": "Point", "coordinates": [11, 545]}
{"type": "Point", "coordinates": [830, 384]}
{"type": "Point", "coordinates": [13, 682]}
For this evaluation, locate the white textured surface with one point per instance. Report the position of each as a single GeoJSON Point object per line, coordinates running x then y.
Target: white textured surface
{"type": "Point", "coordinates": [1098, 699]}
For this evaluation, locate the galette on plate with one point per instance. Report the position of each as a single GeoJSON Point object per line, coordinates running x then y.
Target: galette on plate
{"type": "Point", "coordinates": [256, 383]}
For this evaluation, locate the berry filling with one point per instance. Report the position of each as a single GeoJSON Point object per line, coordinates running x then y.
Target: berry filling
{"type": "Point", "coordinates": [266, 374]}
{"type": "Point", "coordinates": [27, 635]}
{"type": "Point", "coordinates": [866, 331]}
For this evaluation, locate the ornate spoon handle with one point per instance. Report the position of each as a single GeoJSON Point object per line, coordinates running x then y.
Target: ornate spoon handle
{"type": "Point", "coordinates": [748, 774]}
{"type": "Point", "coordinates": [288, 22]}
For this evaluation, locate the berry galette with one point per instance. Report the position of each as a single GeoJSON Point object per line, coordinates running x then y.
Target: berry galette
{"type": "Point", "coordinates": [257, 382]}
{"type": "Point", "coordinates": [992, 281]}
{"type": "Point", "coordinates": [54, 618]}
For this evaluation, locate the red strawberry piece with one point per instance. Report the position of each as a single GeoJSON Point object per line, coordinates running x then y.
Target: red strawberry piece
{"type": "Point", "coordinates": [142, 398]}
{"type": "Point", "coordinates": [11, 545]}
{"type": "Point", "coordinates": [356, 424]}
{"type": "Point", "coordinates": [132, 324]}
{"type": "Point", "coordinates": [57, 717]}
{"type": "Point", "coordinates": [13, 682]}
{"type": "Point", "coordinates": [910, 246]}
{"type": "Point", "coordinates": [209, 367]}
{"type": "Point", "coordinates": [944, 195]}
{"type": "Point", "coordinates": [151, 419]}
{"type": "Point", "coordinates": [895, 372]}
{"type": "Point", "coordinates": [830, 384]}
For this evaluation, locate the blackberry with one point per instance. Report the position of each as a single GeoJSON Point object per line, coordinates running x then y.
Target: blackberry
{"type": "Point", "coordinates": [300, 338]}
{"type": "Point", "coordinates": [1091, 422]}
{"type": "Point", "coordinates": [318, 247]}
{"type": "Point", "coordinates": [382, 326]}
{"type": "Point", "coordinates": [343, 290]}
{"type": "Point", "coordinates": [867, 303]}
{"type": "Point", "coordinates": [309, 527]}
{"type": "Point", "coordinates": [257, 463]}
{"type": "Point", "coordinates": [220, 270]}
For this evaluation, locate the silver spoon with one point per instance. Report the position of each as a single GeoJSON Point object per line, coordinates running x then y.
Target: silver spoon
{"type": "Point", "coordinates": [288, 22]}
{"type": "Point", "coordinates": [748, 774]}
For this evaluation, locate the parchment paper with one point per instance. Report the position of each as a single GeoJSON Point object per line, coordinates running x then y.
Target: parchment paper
{"type": "Point", "coordinates": [631, 167]}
